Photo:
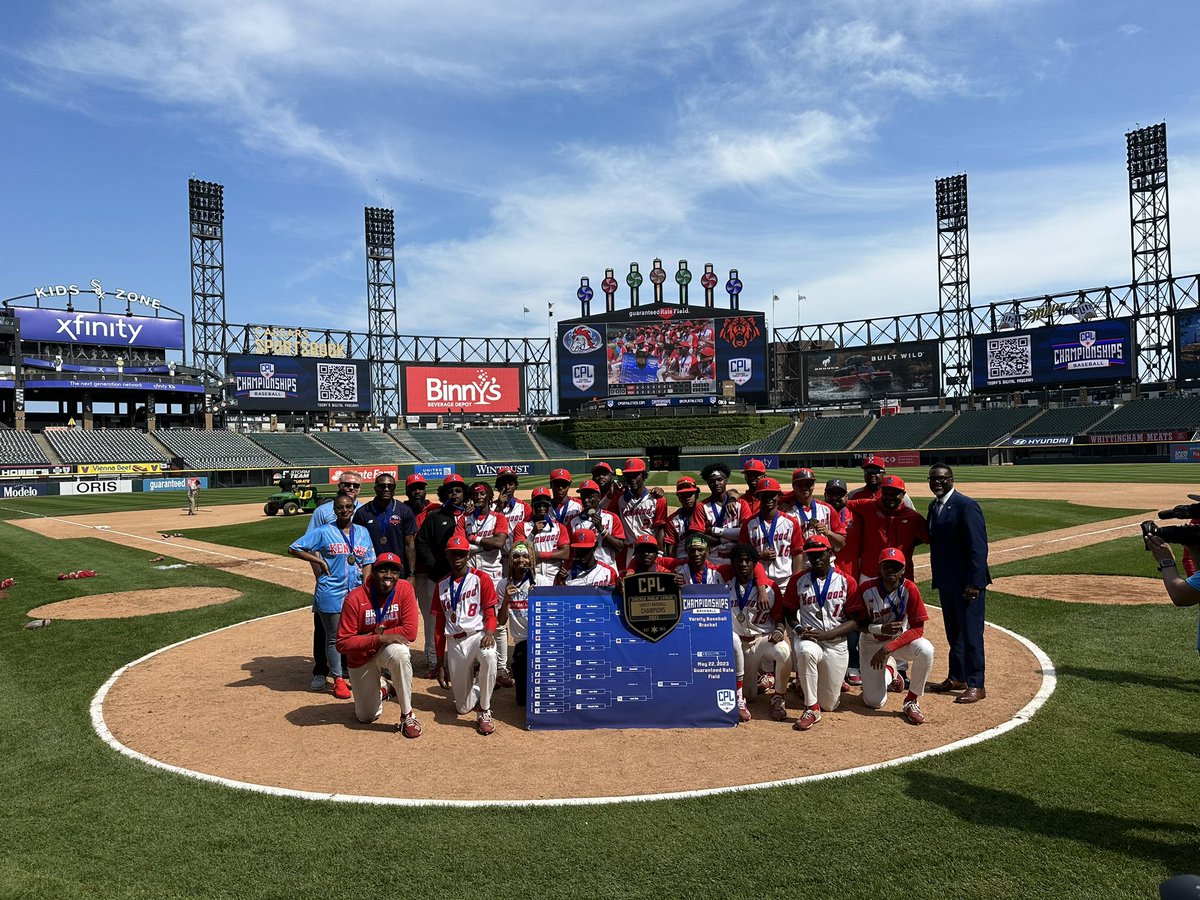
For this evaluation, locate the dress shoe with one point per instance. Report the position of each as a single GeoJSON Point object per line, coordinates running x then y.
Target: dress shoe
{"type": "Point", "coordinates": [944, 687]}
{"type": "Point", "coordinates": [971, 695]}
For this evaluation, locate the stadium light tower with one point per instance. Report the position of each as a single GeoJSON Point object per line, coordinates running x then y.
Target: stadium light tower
{"type": "Point", "coordinates": [381, 311]}
{"type": "Point", "coordinates": [1150, 236]}
{"type": "Point", "coordinates": [954, 283]}
{"type": "Point", "coordinates": [206, 225]}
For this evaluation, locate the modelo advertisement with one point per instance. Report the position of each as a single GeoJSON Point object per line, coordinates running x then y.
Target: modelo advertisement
{"type": "Point", "coordinates": [103, 487]}
{"type": "Point", "coordinates": [63, 327]}
{"type": "Point", "coordinates": [300, 384]}
{"type": "Point", "coordinates": [462, 390]}
{"type": "Point", "coordinates": [899, 371]}
{"type": "Point", "coordinates": [1082, 353]}
{"type": "Point", "coordinates": [17, 491]}
{"type": "Point", "coordinates": [661, 350]}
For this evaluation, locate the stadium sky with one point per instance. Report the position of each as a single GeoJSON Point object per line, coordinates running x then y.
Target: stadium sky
{"type": "Point", "coordinates": [523, 144]}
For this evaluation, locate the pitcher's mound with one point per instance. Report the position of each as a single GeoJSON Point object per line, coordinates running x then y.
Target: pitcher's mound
{"type": "Point", "coordinates": [1120, 590]}
{"type": "Point", "coordinates": [127, 604]}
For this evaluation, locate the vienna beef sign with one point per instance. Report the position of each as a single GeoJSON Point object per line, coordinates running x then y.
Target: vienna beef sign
{"type": "Point", "coordinates": [486, 390]}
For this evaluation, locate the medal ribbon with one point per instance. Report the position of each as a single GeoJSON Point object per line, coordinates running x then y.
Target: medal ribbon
{"type": "Point", "coordinates": [701, 577]}
{"type": "Point", "coordinates": [719, 520]}
{"type": "Point", "coordinates": [897, 611]}
{"type": "Point", "coordinates": [805, 518]}
{"type": "Point", "coordinates": [768, 536]}
{"type": "Point", "coordinates": [456, 596]}
{"type": "Point", "coordinates": [379, 524]}
{"type": "Point", "coordinates": [823, 591]}
{"type": "Point", "coordinates": [743, 597]}
{"type": "Point", "coordinates": [380, 612]}
{"type": "Point", "coordinates": [560, 512]}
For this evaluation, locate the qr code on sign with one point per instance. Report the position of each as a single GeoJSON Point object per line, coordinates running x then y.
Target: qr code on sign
{"type": "Point", "coordinates": [337, 383]}
{"type": "Point", "coordinates": [1009, 357]}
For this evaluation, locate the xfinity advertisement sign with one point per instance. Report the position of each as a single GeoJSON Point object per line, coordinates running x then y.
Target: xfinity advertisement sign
{"type": "Point", "coordinates": [58, 325]}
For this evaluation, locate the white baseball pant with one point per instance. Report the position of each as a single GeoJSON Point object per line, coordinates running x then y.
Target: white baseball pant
{"type": "Point", "coordinates": [750, 656]}
{"type": "Point", "coordinates": [461, 656]}
{"type": "Point", "coordinates": [822, 669]}
{"type": "Point", "coordinates": [365, 681]}
{"type": "Point", "coordinates": [918, 654]}
{"type": "Point", "coordinates": [502, 646]}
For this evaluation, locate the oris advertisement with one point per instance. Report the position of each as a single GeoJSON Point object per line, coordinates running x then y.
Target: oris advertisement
{"type": "Point", "coordinates": [462, 390]}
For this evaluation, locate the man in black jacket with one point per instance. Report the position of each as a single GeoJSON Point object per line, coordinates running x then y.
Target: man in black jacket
{"type": "Point", "coordinates": [440, 525]}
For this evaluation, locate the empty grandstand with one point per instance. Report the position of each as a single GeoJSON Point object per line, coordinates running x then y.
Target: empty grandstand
{"type": "Point", "coordinates": [297, 449]}
{"type": "Point", "coordinates": [1065, 420]}
{"type": "Point", "coordinates": [215, 449]}
{"type": "Point", "coordinates": [365, 447]}
{"type": "Point", "coordinates": [981, 427]}
{"type": "Point", "coordinates": [772, 443]}
{"type": "Point", "coordinates": [20, 448]}
{"type": "Point", "coordinates": [503, 444]}
{"type": "Point", "coordinates": [822, 434]}
{"type": "Point", "coordinates": [1168, 414]}
{"type": "Point", "coordinates": [904, 432]}
{"type": "Point", "coordinates": [440, 445]}
{"type": "Point", "coordinates": [120, 445]}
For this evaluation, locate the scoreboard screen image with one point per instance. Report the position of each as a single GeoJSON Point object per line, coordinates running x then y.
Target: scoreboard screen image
{"type": "Point", "coordinates": [661, 353]}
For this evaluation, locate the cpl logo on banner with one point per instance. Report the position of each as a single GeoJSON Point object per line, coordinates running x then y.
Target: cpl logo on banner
{"type": "Point", "coordinates": [582, 339]}
{"type": "Point", "coordinates": [741, 370]}
{"type": "Point", "coordinates": [583, 376]}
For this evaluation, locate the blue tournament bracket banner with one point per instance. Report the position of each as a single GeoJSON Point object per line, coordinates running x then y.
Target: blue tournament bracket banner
{"type": "Point", "coordinates": [300, 383]}
{"type": "Point", "coordinates": [1082, 353]}
{"type": "Point", "coordinates": [60, 326]}
{"type": "Point", "coordinates": [587, 670]}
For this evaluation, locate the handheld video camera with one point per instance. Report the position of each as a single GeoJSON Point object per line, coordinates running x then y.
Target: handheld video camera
{"type": "Point", "coordinates": [1183, 511]}
{"type": "Point", "coordinates": [1177, 534]}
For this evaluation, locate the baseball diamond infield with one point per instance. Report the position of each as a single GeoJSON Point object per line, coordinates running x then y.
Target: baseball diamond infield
{"type": "Point", "coordinates": [234, 704]}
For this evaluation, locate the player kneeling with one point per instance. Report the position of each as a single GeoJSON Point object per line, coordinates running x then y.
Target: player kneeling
{"type": "Point", "coordinates": [814, 605]}
{"type": "Point", "coordinates": [379, 621]}
{"type": "Point", "coordinates": [465, 608]}
{"type": "Point", "coordinates": [891, 616]}
{"type": "Point", "coordinates": [759, 639]}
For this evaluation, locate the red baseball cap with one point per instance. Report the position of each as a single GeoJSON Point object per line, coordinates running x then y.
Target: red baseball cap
{"type": "Point", "coordinates": [767, 485]}
{"type": "Point", "coordinates": [799, 475]}
{"type": "Point", "coordinates": [686, 485]}
{"type": "Point", "coordinates": [540, 493]}
{"type": "Point", "coordinates": [892, 554]}
{"type": "Point", "coordinates": [453, 478]}
{"type": "Point", "coordinates": [506, 472]}
{"type": "Point", "coordinates": [389, 559]}
{"type": "Point", "coordinates": [458, 543]}
{"type": "Point", "coordinates": [560, 475]}
{"type": "Point", "coordinates": [414, 479]}
{"type": "Point", "coordinates": [754, 465]}
{"type": "Point", "coordinates": [589, 485]}
{"type": "Point", "coordinates": [583, 539]}
{"type": "Point", "coordinates": [875, 462]}
{"type": "Point", "coordinates": [601, 465]}
{"type": "Point", "coordinates": [815, 543]}
{"type": "Point", "coordinates": [646, 540]}
{"type": "Point", "coordinates": [893, 481]}
{"type": "Point", "coordinates": [635, 464]}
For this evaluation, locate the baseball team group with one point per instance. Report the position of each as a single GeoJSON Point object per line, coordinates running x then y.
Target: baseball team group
{"type": "Point", "coordinates": [822, 594]}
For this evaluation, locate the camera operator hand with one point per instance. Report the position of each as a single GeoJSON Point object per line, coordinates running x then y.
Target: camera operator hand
{"type": "Point", "coordinates": [1181, 591]}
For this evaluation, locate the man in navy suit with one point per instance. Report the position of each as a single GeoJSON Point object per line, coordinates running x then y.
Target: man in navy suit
{"type": "Point", "coordinates": [958, 552]}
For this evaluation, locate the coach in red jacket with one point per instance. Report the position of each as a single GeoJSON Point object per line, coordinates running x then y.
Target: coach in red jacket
{"type": "Point", "coordinates": [379, 621]}
{"type": "Point", "coordinates": [883, 522]}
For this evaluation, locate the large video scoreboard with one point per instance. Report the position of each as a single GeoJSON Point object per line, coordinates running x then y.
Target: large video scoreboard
{"type": "Point", "coordinates": [662, 354]}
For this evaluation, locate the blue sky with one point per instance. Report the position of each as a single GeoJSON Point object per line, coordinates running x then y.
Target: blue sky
{"type": "Point", "coordinates": [523, 144]}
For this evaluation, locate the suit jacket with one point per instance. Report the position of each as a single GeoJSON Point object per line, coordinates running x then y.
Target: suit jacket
{"type": "Point", "coordinates": [958, 549]}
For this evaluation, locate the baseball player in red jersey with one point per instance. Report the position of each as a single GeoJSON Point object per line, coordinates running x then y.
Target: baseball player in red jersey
{"type": "Point", "coordinates": [550, 540]}
{"type": "Point", "coordinates": [774, 534]}
{"type": "Point", "coordinates": [646, 558]}
{"type": "Point", "coordinates": [415, 488]}
{"type": "Point", "coordinates": [378, 623]}
{"type": "Point", "coordinates": [816, 516]}
{"type": "Point", "coordinates": [585, 569]}
{"type": "Point", "coordinates": [814, 606]}
{"type": "Point", "coordinates": [759, 638]}
{"type": "Point", "coordinates": [515, 511]}
{"type": "Point", "coordinates": [720, 516]}
{"type": "Point", "coordinates": [610, 532]}
{"type": "Point", "coordinates": [885, 521]}
{"type": "Point", "coordinates": [641, 511]}
{"type": "Point", "coordinates": [874, 468]}
{"type": "Point", "coordinates": [753, 470]}
{"type": "Point", "coordinates": [891, 618]}
{"type": "Point", "coordinates": [465, 604]}
{"type": "Point", "coordinates": [679, 521]}
{"type": "Point", "coordinates": [846, 561]}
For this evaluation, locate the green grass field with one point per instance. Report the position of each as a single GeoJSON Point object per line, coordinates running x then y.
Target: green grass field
{"type": "Point", "coordinates": [1095, 797]}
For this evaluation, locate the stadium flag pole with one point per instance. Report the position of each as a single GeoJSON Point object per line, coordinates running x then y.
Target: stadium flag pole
{"type": "Point", "coordinates": [525, 325]}
{"type": "Point", "coordinates": [550, 332]}
{"type": "Point", "coordinates": [799, 298]}
{"type": "Point", "coordinates": [774, 312]}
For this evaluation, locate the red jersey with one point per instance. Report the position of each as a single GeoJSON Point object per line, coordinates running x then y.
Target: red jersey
{"type": "Point", "coordinates": [551, 537]}
{"type": "Point", "coordinates": [678, 524]}
{"type": "Point", "coordinates": [879, 529]}
{"type": "Point", "coordinates": [362, 615]}
{"type": "Point", "coordinates": [721, 519]}
{"type": "Point", "coordinates": [872, 605]}
{"type": "Point", "coordinates": [821, 606]}
{"type": "Point", "coordinates": [783, 535]}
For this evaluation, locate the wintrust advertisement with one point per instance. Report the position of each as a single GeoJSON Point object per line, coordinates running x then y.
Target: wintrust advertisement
{"type": "Point", "coordinates": [483, 390]}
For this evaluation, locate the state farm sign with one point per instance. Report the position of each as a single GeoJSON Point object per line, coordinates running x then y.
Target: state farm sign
{"type": "Point", "coordinates": [489, 390]}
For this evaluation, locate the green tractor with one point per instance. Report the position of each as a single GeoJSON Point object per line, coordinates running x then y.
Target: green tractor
{"type": "Point", "coordinates": [295, 501]}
